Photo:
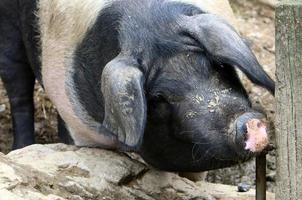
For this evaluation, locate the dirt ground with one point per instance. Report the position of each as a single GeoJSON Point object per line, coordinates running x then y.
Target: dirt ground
{"type": "Point", "coordinates": [256, 23]}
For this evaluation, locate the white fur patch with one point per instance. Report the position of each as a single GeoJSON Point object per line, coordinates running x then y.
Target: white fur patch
{"type": "Point", "coordinates": [63, 24]}
{"type": "Point", "coordinates": [218, 7]}
{"type": "Point", "coordinates": [67, 20]}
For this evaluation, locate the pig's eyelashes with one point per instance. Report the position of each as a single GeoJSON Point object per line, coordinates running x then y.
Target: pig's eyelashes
{"type": "Point", "coordinates": [167, 98]}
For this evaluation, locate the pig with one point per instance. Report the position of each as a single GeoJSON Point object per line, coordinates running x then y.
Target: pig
{"type": "Point", "coordinates": [155, 77]}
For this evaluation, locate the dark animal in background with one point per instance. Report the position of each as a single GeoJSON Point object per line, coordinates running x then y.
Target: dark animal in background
{"type": "Point", "coordinates": [152, 76]}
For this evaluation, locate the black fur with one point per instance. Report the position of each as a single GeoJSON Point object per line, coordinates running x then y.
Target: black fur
{"type": "Point", "coordinates": [99, 47]}
{"type": "Point", "coordinates": [16, 74]}
{"type": "Point", "coordinates": [30, 35]}
{"type": "Point", "coordinates": [20, 65]}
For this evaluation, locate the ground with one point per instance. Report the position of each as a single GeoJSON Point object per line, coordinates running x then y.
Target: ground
{"type": "Point", "coordinates": [256, 23]}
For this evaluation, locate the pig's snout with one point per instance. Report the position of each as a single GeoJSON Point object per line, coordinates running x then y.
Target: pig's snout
{"type": "Point", "coordinates": [251, 132]}
{"type": "Point", "coordinates": [257, 138]}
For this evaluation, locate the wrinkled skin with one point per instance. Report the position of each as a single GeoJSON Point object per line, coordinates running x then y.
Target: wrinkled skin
{"type": "Point", "coordinates": [150, 76]}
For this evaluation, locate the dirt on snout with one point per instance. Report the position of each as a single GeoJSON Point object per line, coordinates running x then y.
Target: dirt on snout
{"type": "Point", "coordinates": [256, 23]}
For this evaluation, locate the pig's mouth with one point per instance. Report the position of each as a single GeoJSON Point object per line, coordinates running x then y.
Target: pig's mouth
{"type": "Point", "coordinates": [251, 133]}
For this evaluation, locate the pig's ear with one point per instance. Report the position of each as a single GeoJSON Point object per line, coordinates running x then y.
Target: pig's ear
{"type": "Point", "coordinates": [125, 105]}
{"type": "Point", "coordinates": [221, 42]}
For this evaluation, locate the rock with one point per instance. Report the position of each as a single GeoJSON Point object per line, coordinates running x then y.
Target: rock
{"type": "Point", "coordinates": [58, 172]}
{"type": "Point", "coordinates": [270, 3]}
{"type": "Point", "coordinates": [227, 192]}
{"type": "Point", "coordinates": [243, 187]}
{"type": "Point", "coordinates": [201, 176]}
{"type": "Point", "coordinates": [2, 108]}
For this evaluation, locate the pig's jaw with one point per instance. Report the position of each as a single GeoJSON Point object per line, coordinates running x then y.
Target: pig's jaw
{"type": "Point", "coordinates": [257, 137]}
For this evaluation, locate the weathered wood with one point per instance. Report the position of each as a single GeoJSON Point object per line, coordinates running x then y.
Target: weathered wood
{"type": "Point", "coordinates": [289, 99]}
{"type": "Point", "coordinates": [59, 171]}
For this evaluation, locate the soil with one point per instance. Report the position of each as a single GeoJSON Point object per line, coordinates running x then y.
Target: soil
{"type": "Point", "coordinates": [256, 24]}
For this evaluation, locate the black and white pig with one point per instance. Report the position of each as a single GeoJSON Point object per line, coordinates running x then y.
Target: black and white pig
{"type": "Point", "coordinates": [152, 76]}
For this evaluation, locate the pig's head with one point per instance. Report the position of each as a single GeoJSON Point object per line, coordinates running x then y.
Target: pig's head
{"type": "Point", "coordinates": [199, 102]}
{"type": "Point", "coordinates": [189, 111]}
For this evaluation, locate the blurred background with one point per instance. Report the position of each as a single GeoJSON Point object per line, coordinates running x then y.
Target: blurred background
{"type": "Point", "coordinates": [256, 19]}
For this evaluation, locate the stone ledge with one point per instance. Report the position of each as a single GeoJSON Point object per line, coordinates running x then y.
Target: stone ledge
{"type": "Point", "coordinates": [58, 171]}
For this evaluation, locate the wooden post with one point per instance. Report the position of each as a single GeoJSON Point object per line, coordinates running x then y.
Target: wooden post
{"type": "Point", "coordinates": [261, 177]}
{"type": "Point", "coordinates": [289, 99]}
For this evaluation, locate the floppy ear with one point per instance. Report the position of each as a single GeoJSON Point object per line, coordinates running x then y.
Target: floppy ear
{"type": "Point", "coordinates": [220, 41]}
{"type": "Point", "coordinates": [125, 106]}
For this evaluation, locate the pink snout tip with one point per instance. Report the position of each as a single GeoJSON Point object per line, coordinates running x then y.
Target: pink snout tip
{"type": "Point", "coordinates": [257, 138]}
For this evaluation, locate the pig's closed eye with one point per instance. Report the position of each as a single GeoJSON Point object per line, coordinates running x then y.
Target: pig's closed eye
{"type": "Point", "coordinates": [169, 90]}
{"type": "Point", "coordinates": [167, 98]}
{"type": "Point", "coordinates": [175, 98]}
{"type": "Point", "coordinates": [159, 98]}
